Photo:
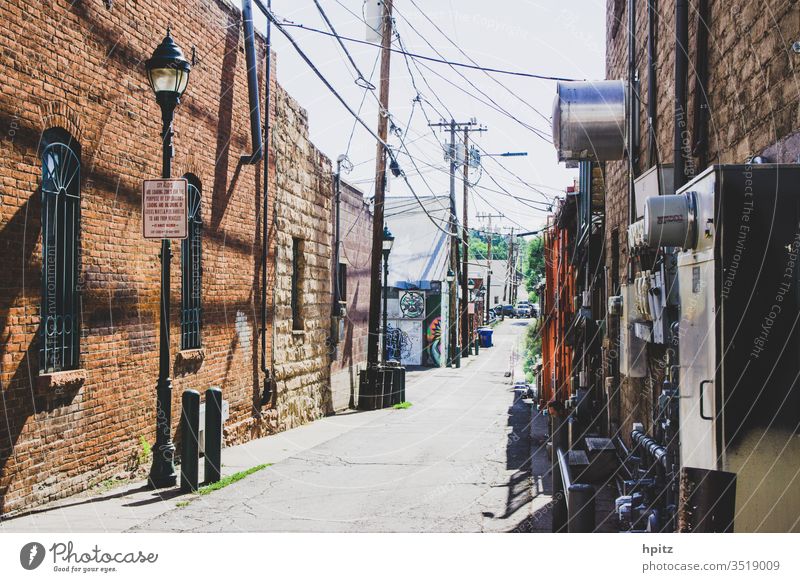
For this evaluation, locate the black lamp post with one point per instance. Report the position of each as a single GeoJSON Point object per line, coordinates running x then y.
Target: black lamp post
{"type": "Point", "coordinates": [470, 317]}
{"type": "Point", "coordinates": [450, 278]}
{"type": "Point", "coordinates": [168, 74]}
{"type": "Point", "coordinates": [388, 241]}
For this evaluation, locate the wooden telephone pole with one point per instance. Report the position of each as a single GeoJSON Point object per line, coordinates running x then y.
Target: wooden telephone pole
{"type": "Point", "coordinates": [466, 340]}
{"type": "Point", "coordinates": [375, 290]}
{"type": "Point", "coordinates": [489, 261]}
{"type": "Point", "coordinates": [455, 312]}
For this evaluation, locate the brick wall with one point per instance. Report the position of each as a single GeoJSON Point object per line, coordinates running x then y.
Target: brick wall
{"type": "Point", "coordinates": [350, 353]}
{"type": "Point", "coordinates": [753, 109]}
{"type": "Point", "coordinates": [80, 66]}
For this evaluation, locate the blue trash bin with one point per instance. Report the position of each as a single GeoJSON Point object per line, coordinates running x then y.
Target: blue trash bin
{"type": "Point", "coordinates": [485, 335]}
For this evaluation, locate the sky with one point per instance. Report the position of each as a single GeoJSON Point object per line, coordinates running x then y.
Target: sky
{"type": "Point", "coordinates": [561, 38]}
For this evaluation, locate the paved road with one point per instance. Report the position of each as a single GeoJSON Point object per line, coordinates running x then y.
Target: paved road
{"type": "Point", "coordinates": [457, 461]}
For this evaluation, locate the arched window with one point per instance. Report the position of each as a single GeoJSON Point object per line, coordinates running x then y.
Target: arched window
{"type": "Point", "coordinates": [192, 269]}
{"type": "Point", "coordinates": [59, 346]}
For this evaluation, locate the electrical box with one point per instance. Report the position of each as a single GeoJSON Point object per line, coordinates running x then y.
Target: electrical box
{"type": "Point", "coordinates": [657, 181]}
{"type": "Point", "coordinates": [739, 406]}
{"type": "Point", "coordinates": [633, 349]}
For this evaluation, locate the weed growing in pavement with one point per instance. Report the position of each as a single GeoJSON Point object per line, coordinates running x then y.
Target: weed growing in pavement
{"type": "Point", "coordinates": [225, 481]}
{"type": "Point", "coordinates": [402, 405]}
{"type": "Point", "coordinates": [144, 454]}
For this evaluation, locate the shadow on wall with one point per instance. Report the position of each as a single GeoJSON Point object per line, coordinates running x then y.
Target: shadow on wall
{"type": "Point", "coordinates": [20, 399]}
{"type": "Point", "coordinates": [348, 349]}
{"type": "Point", "coordinates": [222, 188]}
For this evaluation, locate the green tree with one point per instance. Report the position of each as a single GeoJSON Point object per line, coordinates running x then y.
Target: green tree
{"type": "Point", "coordinates": [478, 246]}
{"type": "Point", "coordinates": [533, 267]}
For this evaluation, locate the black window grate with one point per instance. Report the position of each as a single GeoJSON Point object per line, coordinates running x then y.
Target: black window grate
{"type": "Point", "coordinates": [192, 271]}
{"type": "Point", "coordinates": [297, 283]}
{"type": "Point", "coordinates": [59, 347]}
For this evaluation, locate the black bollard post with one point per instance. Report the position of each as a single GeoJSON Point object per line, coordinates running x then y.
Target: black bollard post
{"type": "Point", "coordinates": [190, 448]}
{"type": "Point", "coordinates": [581, 508]}
{"type": "Point", "coordinates": [213, 435]}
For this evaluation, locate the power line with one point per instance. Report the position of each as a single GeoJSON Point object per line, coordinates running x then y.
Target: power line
{"type": "Point", "coordinates": [495, 104]}
{"type": "Point", "coordinates": [344, 103]}
{"type": "Point", "coordinates": [458, 47]}
{"type": "Point", "coordinates": [365, 84]}
{"type": "Point", "coordinates": [443, 61]}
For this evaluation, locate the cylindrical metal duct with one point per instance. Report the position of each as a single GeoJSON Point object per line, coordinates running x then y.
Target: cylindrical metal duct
{"type": "Point", "coordinates": [670, 221]}
{"type": "Point", "coordinates": [589, 120]}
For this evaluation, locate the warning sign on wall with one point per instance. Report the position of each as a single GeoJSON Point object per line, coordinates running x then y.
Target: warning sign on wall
{"type": "Point", "coordinates": [164, 210]}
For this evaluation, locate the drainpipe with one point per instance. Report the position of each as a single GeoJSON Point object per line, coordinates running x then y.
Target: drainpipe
{"type": "Point", "coordinates": [680, 153]}
{"type": "Point", "coordinates": [633, 111]}
{"type": "Point", "coordinates": [337, 293]}
{"type": "Point", "coordinates": [262, 152]}
{"type": "Point", "coordinates": [652, 100]}
{"type": "Point", "coordinates": [252, 84]}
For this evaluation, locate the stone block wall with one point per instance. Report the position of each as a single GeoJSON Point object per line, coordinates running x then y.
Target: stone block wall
{"type": "Point", "coordinates": [302, 213]}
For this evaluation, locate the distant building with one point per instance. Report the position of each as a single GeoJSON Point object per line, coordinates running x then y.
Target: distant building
{"type": "Point", "coordinates": [418, 298]}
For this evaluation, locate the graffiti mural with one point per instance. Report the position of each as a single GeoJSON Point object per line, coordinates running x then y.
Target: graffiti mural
{"type": "Point", "coordinates": [412, 304]}
{"type": "Point", "coordinates": [404, 342]}
{"type": "Point", "coordinates": [433, 351]}
{"type": "Point", "coordinates": [433, 342]}
{"type": "Point", "coordinates": [398, 344]}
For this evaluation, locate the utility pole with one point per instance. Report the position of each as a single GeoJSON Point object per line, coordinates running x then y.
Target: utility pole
{"type": "Point", "coordinates": [509, 264]}
{"type": "Point", "coordinates": [373, 359]}
{"type": "Point", "coordinates": [454, 311]}
{"type": "Point", "coordinates": [465, 326]}
{"type": "Point", "coordinates": [489, 261]}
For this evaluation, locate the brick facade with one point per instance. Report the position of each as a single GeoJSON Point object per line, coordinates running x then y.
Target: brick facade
{"type": "Point", "coordinates": [753, 110]}
{"type": "Point", "coordinates": [350, 351]}
{"type": "Point", "coordinates": [79, 66]}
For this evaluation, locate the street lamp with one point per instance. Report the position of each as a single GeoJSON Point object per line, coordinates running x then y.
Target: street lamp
{"type": "Point", "coordinates": [168, 74]}
{"type": "Point", "coordinates": [388, 241]}
{"type": "Point", "coordinates": [450, 278]}
{"type": "Point", "coordinates": [470, 318]}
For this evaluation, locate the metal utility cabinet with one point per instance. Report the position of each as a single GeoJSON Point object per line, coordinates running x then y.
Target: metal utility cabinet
{"type": "Point", "coordinates": [739, 358]}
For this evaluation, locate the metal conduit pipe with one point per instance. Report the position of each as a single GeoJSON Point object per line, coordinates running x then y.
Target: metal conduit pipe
{"type": "Point", "coordinates": [633, 111]}
{"type": "Point", "coordinates": [652, 71]}
{"type": "Point", "coordinates": [252, 85]}
{"type": "Point", "coordinates": [653, 448]}
{"type": "Point", "coordinates": [681, 153]}
{"type": "Point", "coordinates": [263, 153]}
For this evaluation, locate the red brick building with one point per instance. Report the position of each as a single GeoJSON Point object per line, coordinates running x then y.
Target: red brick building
{"type": "Point", "coordinates": [350, 325]}
{"type": "Point", "coordinates": [75, 102]}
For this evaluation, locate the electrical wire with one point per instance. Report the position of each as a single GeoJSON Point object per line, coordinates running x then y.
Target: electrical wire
{"type": "Point", "coordinates": [443, 61]}
{"type": "Point", "coordinates": [364, 83]}
{"type": "Point", "coordinates": [488, 74]}
{"type": "Point", "coordinates": [492, 102]}
{"type": "Point", "coordinates": [344, 103]}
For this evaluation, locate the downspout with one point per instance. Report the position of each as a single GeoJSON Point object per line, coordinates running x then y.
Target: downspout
{"type": "Point", "coordinates": [252, 84]}
{"type": "Point", "coordinates": [633, 110]}
{"type": "Point", "coordinates": [260, 152]}
{"type": "Point", "coordinates": [652, 100]}
{"type": "Point", "coordinates": [700, 120]}
{"type": "Point", "coordinates": [680, 153]}
{"type": "Point", "coordinates": [337, 294]}
{"type": "Point", "coordinates": [633, 119]}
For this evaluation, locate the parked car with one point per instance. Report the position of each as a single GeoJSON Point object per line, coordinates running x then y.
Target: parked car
{"type": "Point", "coordinates": [524, 309]}
{"type": "Point", "coordinates": [507, 310]}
